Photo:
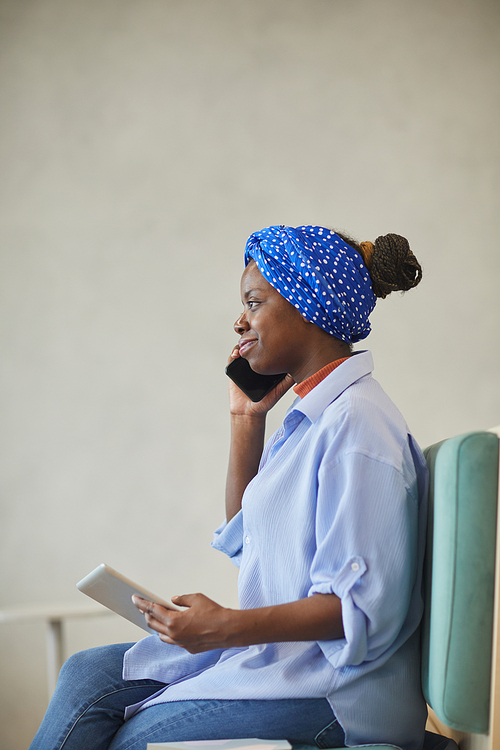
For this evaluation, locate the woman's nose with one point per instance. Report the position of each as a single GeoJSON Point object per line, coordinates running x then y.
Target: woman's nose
{"type": "Point", "coordinates": [241, 325]}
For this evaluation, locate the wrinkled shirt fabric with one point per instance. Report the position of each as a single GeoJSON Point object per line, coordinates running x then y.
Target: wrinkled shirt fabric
{"type": "Point", "coordinates": [338, 506]}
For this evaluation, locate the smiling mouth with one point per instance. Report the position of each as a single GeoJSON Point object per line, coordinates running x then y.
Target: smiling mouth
{"type": "Point", "coordinates": [245, 345]}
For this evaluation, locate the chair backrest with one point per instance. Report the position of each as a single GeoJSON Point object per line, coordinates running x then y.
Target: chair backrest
{"type": "Point", "coordinates": [460, 579]}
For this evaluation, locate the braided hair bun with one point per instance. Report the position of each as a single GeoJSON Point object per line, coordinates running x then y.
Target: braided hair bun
{"type": "Point", "coordinates": [391, 264]}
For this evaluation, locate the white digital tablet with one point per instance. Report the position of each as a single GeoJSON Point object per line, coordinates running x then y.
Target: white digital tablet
{"type": "Point", "coordinates": [110, 588]}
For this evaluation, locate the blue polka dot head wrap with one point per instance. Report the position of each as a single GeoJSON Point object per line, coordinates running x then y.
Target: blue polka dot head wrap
{"type": "Point", "coordinates": [319, 274]}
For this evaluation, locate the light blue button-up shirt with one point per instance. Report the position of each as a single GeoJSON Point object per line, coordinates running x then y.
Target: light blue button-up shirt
{"type": "Point", "coordinates": [338, 506]}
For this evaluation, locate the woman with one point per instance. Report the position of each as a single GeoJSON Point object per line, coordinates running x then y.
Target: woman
{"type": "Point", "coordinates": [326, 523]}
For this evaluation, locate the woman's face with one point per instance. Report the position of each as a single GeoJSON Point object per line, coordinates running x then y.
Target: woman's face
{"type": "Point", "coordinates": [273, 334]}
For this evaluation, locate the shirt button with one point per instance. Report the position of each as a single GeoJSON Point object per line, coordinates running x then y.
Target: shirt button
{"type": "Point", "coordinates": [355, 566]}
{"type": "Point", "coordinates": [247, 540]}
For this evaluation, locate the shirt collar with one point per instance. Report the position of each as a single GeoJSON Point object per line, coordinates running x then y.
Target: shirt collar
{"type": "Point", "coordinates": [316, 401]}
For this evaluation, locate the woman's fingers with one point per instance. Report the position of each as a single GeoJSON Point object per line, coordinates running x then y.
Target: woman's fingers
{"type": "Point", "coordinates": [235, 353]}
{"type": "Point", "coordinates": [200, 627]}
{"type": "Point", "coordinates": [157, 617]}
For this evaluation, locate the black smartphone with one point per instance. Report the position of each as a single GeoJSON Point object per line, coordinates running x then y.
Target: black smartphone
{"type": "Point", "coordinates": [252, 384]}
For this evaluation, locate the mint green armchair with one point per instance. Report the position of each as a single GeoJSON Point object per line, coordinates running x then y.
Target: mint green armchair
{"type": "Point", "coordinates": [460, 580]}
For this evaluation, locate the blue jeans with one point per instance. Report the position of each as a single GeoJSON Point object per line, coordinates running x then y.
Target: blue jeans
{"type": "Point", "coordinates": [86, 712]}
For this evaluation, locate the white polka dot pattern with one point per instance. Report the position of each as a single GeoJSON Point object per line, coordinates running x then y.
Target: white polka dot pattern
{"type": "Point", "coordinates": [319, 274]}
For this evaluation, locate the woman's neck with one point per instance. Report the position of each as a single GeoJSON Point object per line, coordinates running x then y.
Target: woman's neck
{"type": "Point", "coordinates": [323, 350]}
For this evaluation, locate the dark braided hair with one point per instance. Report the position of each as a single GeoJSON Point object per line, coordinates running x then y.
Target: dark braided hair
{"type": "Point", "coordinates": [390, 262]}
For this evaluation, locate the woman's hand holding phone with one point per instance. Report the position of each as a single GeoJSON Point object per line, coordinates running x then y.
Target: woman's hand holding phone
{"type": "Point", "coordinates": [248, 426]}
{"type": "Point", "coordinates": [241, 404]}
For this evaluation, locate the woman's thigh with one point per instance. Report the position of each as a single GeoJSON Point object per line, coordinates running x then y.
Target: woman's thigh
{"type": "Point", "coordinates": [88, 704]}
{"type": "Point", "coordinates": [304, 721]}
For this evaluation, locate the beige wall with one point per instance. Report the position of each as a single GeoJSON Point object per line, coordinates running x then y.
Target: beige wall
{"type": "Point", "coordinates": [142, 142]}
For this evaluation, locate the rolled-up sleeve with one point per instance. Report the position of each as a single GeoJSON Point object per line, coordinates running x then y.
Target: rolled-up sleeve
{"type": "Point", "coordinates": [228, 538]}
{"type": "Point", "coordinates": [366, 535]}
